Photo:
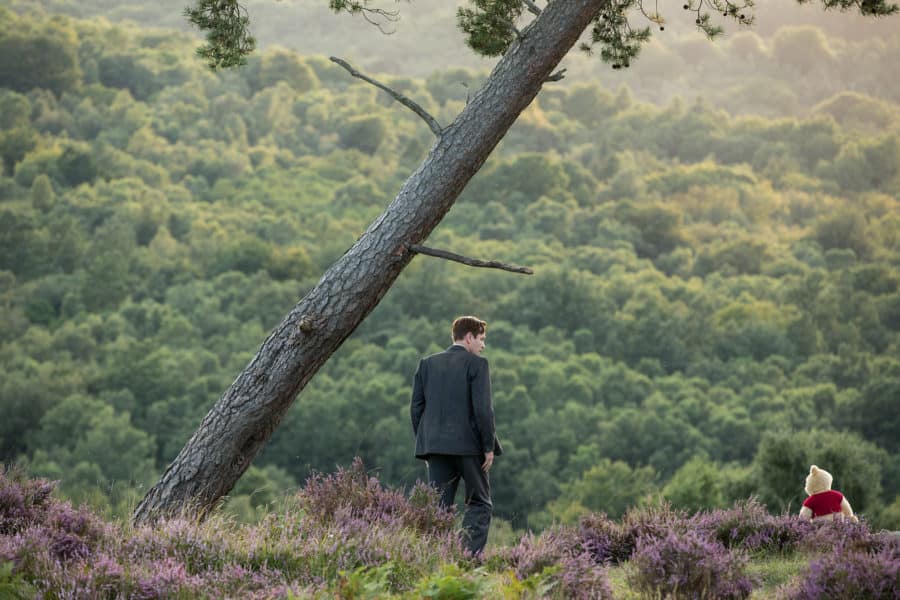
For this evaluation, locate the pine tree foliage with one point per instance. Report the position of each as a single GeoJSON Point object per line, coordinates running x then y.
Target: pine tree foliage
{"type": "Point", "coordinates": [228, 39]}
{"type": "Point", "coordinates": [376, 16]}
{"type": "Point", "coordinates": [490, 26]}
{"type": "Point", "coordinates": [869, 8]}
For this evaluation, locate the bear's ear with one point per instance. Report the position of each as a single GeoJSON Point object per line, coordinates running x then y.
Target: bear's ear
{"type": "Point", "coordinates": [813, 469]}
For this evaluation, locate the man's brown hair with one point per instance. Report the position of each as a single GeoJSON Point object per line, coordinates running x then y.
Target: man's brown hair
{"type": "Point", "coordinates": [463, 325]}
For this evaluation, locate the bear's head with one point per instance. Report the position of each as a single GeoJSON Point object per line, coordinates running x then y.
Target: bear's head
{"type": "Point", "coordinates": [818, 480]}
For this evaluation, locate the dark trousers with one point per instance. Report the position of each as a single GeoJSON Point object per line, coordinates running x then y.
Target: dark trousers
{"type": "Point", "coordinates": [444, 473]}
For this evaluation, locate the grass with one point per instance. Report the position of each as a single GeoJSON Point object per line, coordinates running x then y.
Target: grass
{"type": "Point", "coordinates": [773, 572]}
{"type": "Point", "coordinates": [618, 579]}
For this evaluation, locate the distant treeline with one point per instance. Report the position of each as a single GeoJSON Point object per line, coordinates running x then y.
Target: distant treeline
{"type": "Point", "coordinates": [716, 302]}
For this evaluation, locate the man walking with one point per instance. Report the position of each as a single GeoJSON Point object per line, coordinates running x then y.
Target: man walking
{"type": "Point", "coordinates": [453, 421]}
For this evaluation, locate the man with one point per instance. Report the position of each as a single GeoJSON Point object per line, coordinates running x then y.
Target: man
{"type": "Point", "coordinates": [453, 421]}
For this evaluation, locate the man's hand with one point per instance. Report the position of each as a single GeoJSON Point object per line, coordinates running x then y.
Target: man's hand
{"type": "Point", "coordinates": [488, 461]}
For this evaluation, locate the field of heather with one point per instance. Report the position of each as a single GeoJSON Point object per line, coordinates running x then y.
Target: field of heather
{"type": "Point", "coordinates": [346, 535]}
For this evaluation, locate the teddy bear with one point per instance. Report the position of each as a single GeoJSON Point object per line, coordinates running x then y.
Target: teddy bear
{"type": "Point", "coordinates": [824, 502]}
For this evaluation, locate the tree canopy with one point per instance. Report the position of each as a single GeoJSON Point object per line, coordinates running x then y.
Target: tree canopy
{"type": "Point", "coordinates": [696, 306]}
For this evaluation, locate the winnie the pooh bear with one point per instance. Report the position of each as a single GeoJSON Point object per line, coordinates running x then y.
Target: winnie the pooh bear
{"type": "Point", "coordinates": [824, 502]}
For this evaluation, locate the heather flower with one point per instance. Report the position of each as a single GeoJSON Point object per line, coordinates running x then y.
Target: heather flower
{"type": "Point", "coordinates": [38, 529]}
{"type": "Point", "coordinates": [142, 544]}
{"type": "Point", "coordinates": [60, 516]}
{"type": "Point", "coordinates": [30, 549]}
{"type": "Point", "coordinates": [280, 592]}
{"type": "Point", "coordinates": [100, 577]}
{"type": "Point", "coordinates": [348, 521]}
{"type": "Point", "coordinates": [651, 521]}
{"type": "Point", "coordinates": [604, 539]}
{"type": "Point", "coordinates": [850, 573]}
{"type": "Point", "coordinates": [690, 566]}
{"type": "Point", "coordinates": [425, 513]}
{"type": "Point", "coordinates": [22, 501]}
{"type": "Point", "coordinates": [352, 492]}
{"type": "Point", "coordinates": [107, 573]}
{"type": "Point", "coordinates": [583, 578]}
{"type": "Point", "coordinates": [165, 579]}
{"type": "Point", "coordinates": [560, 557]}
{"type": "Point", "coordinates": [342, 522]}
{"type": "Point", "coordinates": [197, 547]}
{"type": "Point", "coordinates": [236, 580]}
{"type": "Point", "coordinates": [748, 525]}
{"type": "Point", "coordinates": [533, 553]}
{"type": "Point", "coordinates": [12, 507]}
{"type": "Point", "coordinates": [66, 546]}
{"type": "Point", "coordinates": [823, 535]}
{"type": "Point", "coordinates": [9, 546]}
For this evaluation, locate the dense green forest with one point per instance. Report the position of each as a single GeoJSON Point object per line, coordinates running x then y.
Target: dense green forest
{"type": "Point", "coordinates": [716, 302]}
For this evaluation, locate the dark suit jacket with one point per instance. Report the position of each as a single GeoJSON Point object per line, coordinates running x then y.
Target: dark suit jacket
{"type": "Point", "coordinates": [451, 405]}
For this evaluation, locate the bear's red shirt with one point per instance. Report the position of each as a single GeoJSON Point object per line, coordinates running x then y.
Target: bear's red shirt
{"type": "Point", "coordinates": [824, 503]}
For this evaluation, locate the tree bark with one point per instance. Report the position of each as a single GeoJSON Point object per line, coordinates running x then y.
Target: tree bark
{"type": "Point", "coordinates": [244, 418]}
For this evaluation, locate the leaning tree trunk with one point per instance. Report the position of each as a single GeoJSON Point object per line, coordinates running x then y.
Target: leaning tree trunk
{"type": "Point", "coordinates": [244, 418]}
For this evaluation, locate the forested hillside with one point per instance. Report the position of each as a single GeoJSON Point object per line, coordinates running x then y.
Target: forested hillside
{"type": "Point", "coordinates": [716, 302]}
{"type": "Point", "coordinates": [792, 58]}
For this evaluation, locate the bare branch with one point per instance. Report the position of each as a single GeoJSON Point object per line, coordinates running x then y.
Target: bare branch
{"type": "Point", "coordinates": [472, 262]}
{"type": "Point", "coordinates": [557, 76]}
{"type": "Point", "coordinates": [413, 106]}
{"type": "Point", "coordinates": [532, 7]}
